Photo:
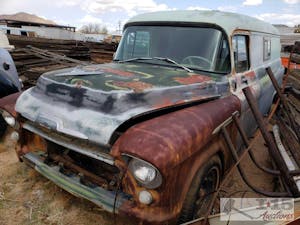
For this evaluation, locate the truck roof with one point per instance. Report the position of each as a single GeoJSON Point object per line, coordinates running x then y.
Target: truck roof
{"type": "Point", "coordinates": [226, 20]}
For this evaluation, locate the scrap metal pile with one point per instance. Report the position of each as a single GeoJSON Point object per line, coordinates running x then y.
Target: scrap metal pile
{"type": "Point", "coordinates": [293, 83]}
{"type": "Point", "coordinates": [69, 48]}
{"type": "Point", "coordinates": [34, 56]}
{"type": "Point", "coordinates": [31, 62]}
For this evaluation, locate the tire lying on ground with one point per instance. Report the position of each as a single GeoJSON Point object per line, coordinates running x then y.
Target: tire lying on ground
{"type": "Point", "coordinates": [199, 196]}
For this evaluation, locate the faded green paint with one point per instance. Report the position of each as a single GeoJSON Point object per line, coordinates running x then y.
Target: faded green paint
{"type": "Point", "coordinates": [122, 76]}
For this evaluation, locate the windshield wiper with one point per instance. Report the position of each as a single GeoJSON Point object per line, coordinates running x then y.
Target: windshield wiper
{"type": "Point", "coordinates": [174, 62]}
{"type": "Point", "coordinates": [134, 59]}
{"type": "Point", "coordinates": [168, 60]}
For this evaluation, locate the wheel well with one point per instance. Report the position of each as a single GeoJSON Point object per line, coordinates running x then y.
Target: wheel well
{"type": "Point", "coordinates": [187, 210]}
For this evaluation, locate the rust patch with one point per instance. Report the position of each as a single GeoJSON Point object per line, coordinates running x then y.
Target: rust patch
{"type": "Point", "coordinates": [251, 75]}
{"type": "Point", "coordinates": [8, 103]}
{"type": "Point", "coordinates": [175, 128]}
{"type": "Point", "coordinates": [167, 205]}
{"type": "Point", "coordinates": [136, 86]}
{"type": "Point", "coordinates": [192, 79]}
{"type": "Point", "coordinates": [80, 82]}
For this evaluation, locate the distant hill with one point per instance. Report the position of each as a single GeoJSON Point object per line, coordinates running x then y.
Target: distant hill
{"type": "Point", "coordinates": [27, 17]}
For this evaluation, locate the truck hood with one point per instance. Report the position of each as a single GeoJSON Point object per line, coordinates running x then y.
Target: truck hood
{"type": "Point", "coordinates": [91, 102]}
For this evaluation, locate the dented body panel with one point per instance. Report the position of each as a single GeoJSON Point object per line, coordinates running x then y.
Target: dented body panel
{"type": "Point", "coordinates": [91, 102]}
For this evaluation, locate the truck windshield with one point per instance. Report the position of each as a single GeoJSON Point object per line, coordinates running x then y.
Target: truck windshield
{"type": "Point", "coordinates": [197, 48]}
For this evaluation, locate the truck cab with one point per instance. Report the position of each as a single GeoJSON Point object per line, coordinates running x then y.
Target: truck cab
{"type": "Point", "coordinates": [141, 136]}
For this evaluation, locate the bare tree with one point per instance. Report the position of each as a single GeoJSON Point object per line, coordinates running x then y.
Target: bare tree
{"type": "Point", "coordinates": [103, 30]}
{"type": "Point", "coordinates": [93, 28]}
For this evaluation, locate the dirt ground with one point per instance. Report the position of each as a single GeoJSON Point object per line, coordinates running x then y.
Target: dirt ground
{"type": "Point", "coordinates": [30, 199]}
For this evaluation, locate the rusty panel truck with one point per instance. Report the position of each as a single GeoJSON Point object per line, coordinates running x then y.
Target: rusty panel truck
{"type": "Point", "coordinates": [141, 136]}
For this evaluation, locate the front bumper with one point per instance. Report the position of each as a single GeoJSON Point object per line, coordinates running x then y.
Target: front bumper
{"type": "Point", "coordinates": [110, 201]}
{"type": "Point", "coordinates": [32, 151]}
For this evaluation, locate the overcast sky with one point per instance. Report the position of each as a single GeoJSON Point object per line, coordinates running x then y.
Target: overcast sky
{"type": "Point", "coordinates": [110, 12]}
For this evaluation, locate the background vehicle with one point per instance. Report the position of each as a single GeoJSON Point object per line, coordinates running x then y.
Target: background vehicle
{"type": "Point", "coordinates": [9, 79]}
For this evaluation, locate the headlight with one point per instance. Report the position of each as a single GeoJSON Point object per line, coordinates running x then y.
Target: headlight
{"type": "Point", "coordinates": [146, 174]}
{"type": "Point", "coordinates": [10, 120]}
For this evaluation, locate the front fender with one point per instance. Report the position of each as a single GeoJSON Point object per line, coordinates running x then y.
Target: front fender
{"type": "Point", "coordinates": [8, 103]}
{"type": "Point", "coordinates": [168, 140]}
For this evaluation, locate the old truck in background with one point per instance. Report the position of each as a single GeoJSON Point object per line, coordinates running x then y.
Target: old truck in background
{"type": "Point", "coordinates": [9, 79]}
{"type": "Point", "coordinates": [141, 136]}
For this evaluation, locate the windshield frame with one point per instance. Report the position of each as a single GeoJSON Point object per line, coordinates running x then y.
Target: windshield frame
{"type": "Point", "coordinates": [183, 24]}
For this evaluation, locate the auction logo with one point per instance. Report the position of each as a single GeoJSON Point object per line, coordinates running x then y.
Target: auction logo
{"type": "Point", "coordinates": [257, 209]}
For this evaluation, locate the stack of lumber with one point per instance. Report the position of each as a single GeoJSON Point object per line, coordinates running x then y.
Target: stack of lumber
{"type": "Point", "coordinates": [69, 48]}
{"type": "Point", "coordinates": [102, 52]}
{"type": "Point", "coordinates": [97, 52]}
{"type": "Point", "coordinates": [34, 56]}
{"type": "Point", "coordinates": [31, 62]}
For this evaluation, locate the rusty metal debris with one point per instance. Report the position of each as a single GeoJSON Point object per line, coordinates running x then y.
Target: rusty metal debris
{"type": "Point", "coordinates": [250, 152]}
{"type": "Point", "coordinates": [270, 143]}
{"type": "Point", "coordinates": [284, 104]}
{"type": "Point", "coordinates": [243, 175]}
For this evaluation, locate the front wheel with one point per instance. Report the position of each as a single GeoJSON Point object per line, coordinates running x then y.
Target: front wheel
{"type": "Point", "coordinates": [200, 194]}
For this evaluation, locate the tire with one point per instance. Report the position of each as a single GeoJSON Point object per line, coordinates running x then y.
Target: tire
{"type": "Point", "coordinates": [3, 127]}
{"type": "Point", "coordinates": [199, 196]}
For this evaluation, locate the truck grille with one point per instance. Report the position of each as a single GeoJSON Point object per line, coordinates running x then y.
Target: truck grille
{"type": "Point", "coordinates": [76, 157]}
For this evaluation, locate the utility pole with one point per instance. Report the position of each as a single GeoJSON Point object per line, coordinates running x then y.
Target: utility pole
{"type": "Point", "coordinates": [119, 30]}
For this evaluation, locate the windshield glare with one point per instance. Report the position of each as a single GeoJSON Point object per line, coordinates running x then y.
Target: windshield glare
{"type": "Point", "coordinates": [194, 47]}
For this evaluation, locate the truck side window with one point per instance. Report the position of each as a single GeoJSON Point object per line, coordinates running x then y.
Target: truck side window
{"type": "Point", "coordinates": [267, 48]}
{"type": "Point", "coordinates": [241, 54]}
